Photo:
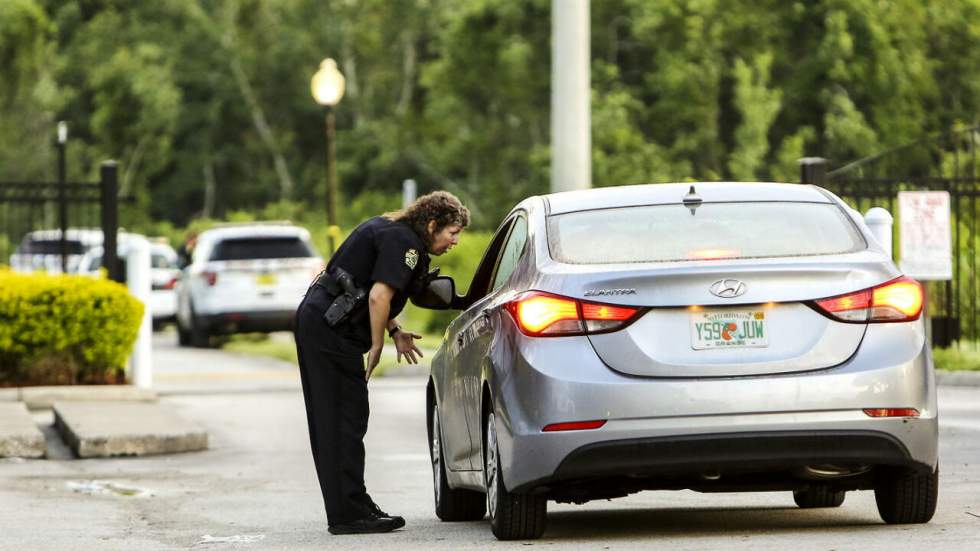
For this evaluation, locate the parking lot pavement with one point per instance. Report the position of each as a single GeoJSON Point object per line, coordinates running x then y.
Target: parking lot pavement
{"type": "Point", "coordinates": [255, 488]}
{"type": "Point", "coordinates": [183, 370]}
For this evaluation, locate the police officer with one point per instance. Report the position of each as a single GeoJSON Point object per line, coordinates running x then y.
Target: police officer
{"type": "Point", "coordinates": [366, 284]}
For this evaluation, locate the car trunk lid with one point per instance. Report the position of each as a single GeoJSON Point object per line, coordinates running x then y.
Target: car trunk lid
{"type": "Point", "coordinates": [685, 330]}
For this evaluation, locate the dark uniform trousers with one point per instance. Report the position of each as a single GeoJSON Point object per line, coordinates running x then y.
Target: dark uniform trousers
{"type": "Point", "coordinates": [332, 372]}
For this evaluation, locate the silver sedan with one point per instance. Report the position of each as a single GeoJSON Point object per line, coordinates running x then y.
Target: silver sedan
{"type": "Point", "coordinates": [718, 337]}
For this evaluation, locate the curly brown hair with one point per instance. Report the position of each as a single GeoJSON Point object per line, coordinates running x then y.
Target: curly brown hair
{"type": "Point", "coordinates": [441, 206]}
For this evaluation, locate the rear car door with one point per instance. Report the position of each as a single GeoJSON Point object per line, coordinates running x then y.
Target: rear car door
{"type": "Point", "coordinates": [482, 330]}
{"type": "Point", "coordinates": [457, 440]}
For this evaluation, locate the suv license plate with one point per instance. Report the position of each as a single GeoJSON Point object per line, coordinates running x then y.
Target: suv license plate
{"type": "Point", "coordinates": [266, 279]}
{"type": "Point", "coordinates": [729, 328]}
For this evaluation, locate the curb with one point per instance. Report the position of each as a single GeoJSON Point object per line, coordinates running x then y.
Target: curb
{"type": "Point", "coordinates": [113, 428]}
{"type": "Point", "coordinates": [42, 397]}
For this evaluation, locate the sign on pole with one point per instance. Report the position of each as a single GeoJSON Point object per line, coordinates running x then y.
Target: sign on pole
{"type": "Point", "coordinates": [924, 234]}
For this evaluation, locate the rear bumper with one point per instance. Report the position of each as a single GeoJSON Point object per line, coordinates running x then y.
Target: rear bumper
{"type": "Point", "coordinates": [244, 322]}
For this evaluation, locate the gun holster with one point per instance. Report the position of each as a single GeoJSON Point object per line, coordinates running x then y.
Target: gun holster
{"type": "Point", "coordinates": [347, 296]}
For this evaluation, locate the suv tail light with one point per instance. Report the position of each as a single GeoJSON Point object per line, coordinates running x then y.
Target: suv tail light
{"type": "Point", "coordinates": [540, 314]}
{"type": "Point", "coordinates": [897, 300]}
{"type": "Point", "coordinates": [210, 277]}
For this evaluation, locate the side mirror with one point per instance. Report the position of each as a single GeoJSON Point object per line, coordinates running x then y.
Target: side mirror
{"type": "Point", "coordinates": [440, 294]}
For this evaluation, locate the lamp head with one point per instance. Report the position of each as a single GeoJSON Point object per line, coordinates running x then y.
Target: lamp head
{"type": "Point", "coordinates": [62, 132]}
{"type": "Point", "coordinates": [327, 84]}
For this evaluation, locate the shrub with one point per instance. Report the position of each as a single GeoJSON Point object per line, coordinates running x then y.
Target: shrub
{"type": "Point", "coordinates": [58, 329]}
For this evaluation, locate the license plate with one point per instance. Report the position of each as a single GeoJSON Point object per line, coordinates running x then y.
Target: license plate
{"type": "Point", "coordinates": [266, 279]}
{"type": "Point", "coordinates": [729, 328]}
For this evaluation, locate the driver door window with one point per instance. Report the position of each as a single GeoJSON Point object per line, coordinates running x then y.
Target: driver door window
{"type": "Point", "coordinates": [511, 253]}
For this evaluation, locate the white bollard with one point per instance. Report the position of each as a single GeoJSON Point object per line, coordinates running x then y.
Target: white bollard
{"type": "Point", "coordinates": [880, 222]}
{"type": "Point", "coordinates": [138, 280]}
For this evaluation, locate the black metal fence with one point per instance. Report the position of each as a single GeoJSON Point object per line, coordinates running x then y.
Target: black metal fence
{"type": "Point", "coordinates": [942, 163]}
{"type": "Point", "coordinates": [31, 206]}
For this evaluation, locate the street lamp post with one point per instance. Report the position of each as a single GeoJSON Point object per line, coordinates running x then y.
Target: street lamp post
{"type": "Point", "coordinates": [62, 195]}
{"type": "Point", "coordinates": [327, 86]}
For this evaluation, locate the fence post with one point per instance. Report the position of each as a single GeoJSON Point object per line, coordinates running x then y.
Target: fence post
{"type": "Point", "coordinates": [813, 170]}
{"type": "Point", "coordinates": [108, 192]}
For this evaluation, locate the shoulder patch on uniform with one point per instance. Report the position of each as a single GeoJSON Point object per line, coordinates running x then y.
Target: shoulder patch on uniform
{"type": "Point", "coordinates": [411, 258]}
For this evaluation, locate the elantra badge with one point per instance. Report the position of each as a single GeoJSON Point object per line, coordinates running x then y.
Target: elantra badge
{"type": "Point", "coordinates": [727, 288]}
{"type": "Point", "coordinates": [609, 292]}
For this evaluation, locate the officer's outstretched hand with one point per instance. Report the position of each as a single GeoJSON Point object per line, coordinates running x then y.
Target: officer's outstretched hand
{"type": "Point", "coordinates": [405, 345]}
{"type": "Point", "coordinates": [374, 356]}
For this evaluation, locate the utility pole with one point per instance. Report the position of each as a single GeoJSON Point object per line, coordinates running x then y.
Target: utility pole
{"type": "Point", "coordinates": [571, 120]}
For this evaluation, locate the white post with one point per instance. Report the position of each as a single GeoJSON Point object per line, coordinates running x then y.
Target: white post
{"type": "Point", "coordinates": [138, 281]}
{"type": "Point", "coordinates": [571, 121]}
{"type": "Point", "coordinates": [880, 222]}
{"type": "Point", "coordinates": [409, 192]}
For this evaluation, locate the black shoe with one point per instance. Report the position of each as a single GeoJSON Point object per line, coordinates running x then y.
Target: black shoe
{"type": "Point", "coordinates": [376, 511]}
{"type": "Point", "coordinates": [370, 525]}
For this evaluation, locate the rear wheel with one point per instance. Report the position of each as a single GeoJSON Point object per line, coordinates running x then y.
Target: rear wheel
{"type": "Point", "coordinates": [183, 334]}
{"type": "Point", "coordinates": [512, 516]}
{"type": "Point", "coordinates": [451, 504]}
{"type": "Point", "coordinates": [905, 496]}
{"type": "Point", "coordinates": [199, 336]}
{"type": "Point", "coordinates": [819, 496]}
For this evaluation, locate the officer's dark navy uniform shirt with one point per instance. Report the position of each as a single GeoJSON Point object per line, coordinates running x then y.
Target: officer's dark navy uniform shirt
{"type": "Point", "coordinates": [380, 250]}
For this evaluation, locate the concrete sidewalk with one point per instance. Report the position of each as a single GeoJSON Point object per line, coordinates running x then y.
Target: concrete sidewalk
{"type": "Point", "coordinates": [19, 436]}
{"type": "Point", "coordinates": [107, 429]}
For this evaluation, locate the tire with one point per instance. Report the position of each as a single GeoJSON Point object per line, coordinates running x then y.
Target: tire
{"type": "Point", "coordinates": [183, 334]}
{"type": "Point", "coordinates": [817, 497]}
{"type": "Point", "coordinates": [905, 496]}
{"type": "Point", "coordinates": [451, 505]}
{"type": "Point", "coordinates": [512, 516]}
{"type": "Point", "coordinates": [199, 336]}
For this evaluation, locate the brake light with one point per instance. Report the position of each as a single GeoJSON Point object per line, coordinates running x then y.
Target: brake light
{"type": "Point", "coordinates": [891, 412]}
{"type": "Point", "coordinates": [897, 300]}
{"type": "Point", "coordinates": [541, 314]}
{"type": "Point", "coordinates": [171, 284]}
{"type": "Point", "coordinates": [210, 277]}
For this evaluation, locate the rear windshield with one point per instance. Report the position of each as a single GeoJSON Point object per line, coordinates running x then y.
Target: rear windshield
{"type": "Point", "coordinates": [261, 247]}
{"type": "Point", "coordinates": [51, 246]}
{"type": "Point", "coordinates": [158, 260]}
{"type": "Point", "coordinates": [663, 233]}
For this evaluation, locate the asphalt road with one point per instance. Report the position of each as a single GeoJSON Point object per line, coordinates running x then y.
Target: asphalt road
{"type": "Point", "coordinates": [256, 488]}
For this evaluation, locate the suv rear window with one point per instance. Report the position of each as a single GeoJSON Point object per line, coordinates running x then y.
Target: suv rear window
{"type": "Point", "coordinates": [51, 246]}
{"type": "Point", "coordinates": [261, 247]}
{"type": "Point", "coordinates": [663, 233]}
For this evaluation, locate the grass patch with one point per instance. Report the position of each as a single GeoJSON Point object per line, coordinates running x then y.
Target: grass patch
{"type": "Point", "coordinates": [964, 358]}
{"type": "Point", "coordinates": [259, 344]}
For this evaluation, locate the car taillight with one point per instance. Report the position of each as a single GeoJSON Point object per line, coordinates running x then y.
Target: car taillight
{"type": "Point", "coordinates": [210, 277]}
{"type": "Point", "coordinates": [897, 300]}
{"type": "Point", "coordinates": [576, 425]}
{"type": "Point", "coordinates": [540, 314]}
{"type": "Point", "coordinates": [171, 284]}
{"type": "Point", "coordinates": [891, 412]}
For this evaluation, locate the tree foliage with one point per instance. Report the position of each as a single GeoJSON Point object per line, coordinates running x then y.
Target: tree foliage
{"type": "Point", "coordinates": [206, 103]}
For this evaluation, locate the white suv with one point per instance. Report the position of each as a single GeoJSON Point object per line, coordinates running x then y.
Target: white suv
{"type": "Point", "coordinates": [242, 278]}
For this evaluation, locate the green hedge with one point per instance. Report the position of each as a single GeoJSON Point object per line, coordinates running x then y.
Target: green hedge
{"type": "Point", "coordinates": [64, 330]}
